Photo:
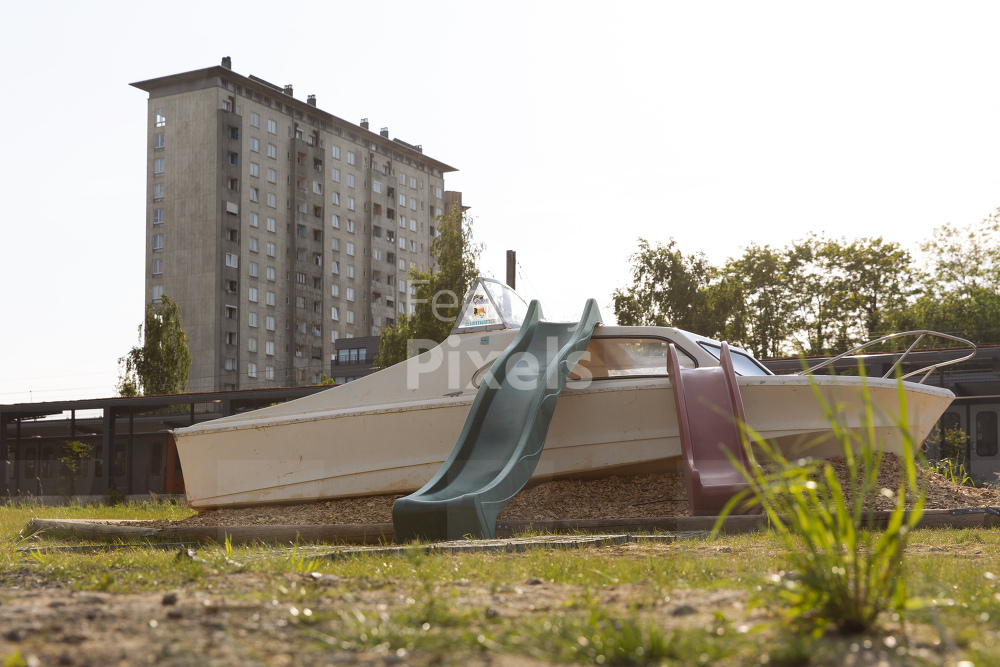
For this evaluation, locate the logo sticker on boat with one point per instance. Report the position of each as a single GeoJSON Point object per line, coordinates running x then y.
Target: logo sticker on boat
{"type": "Point", "coordinates": [485, 340]}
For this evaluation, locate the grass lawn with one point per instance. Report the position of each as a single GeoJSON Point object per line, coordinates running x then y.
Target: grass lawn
{"type": "Point", "coordinates": [689, 602]}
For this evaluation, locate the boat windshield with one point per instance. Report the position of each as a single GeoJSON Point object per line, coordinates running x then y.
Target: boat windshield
{"type": "Point", "coordinates": [626, 356]}
{"type": "Point", "coordinates": [743, 364]}
{"type": "Point", "coordinates": [490, 305]}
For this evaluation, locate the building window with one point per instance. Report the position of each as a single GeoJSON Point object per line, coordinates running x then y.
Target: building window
{"type": "Point", "coordinates": [350, 249]}
{"type": "Point", "coordinates": [350, 317]}
{"type": "Point", "coordinates": [402, 286]}
{"type": "Point", "coordinates": [272, 126]}
{"type": "Point", "coordinates": [234, 184]}
{"type": "Point", "coordinates": [335, 221]}
{"type": "Point", "coordinates": [270, 298]}
{"type": "Point", "coordinates": [350, 270]}
{"type": "Point", "coordinates": [413, 245]}
{"type": "Point", "coordinates": [230, 312]}
{"type": "Point", "coordinates": [157, 216]}
{"type": "Point", "coordinates": [272, 200]}
{"type": "Point", "coordinates": [437, 193]}
{"type": "Point", "coordinates": [350, 157]}
{"type": "Point", "coordinates": [255, 170]}
{"type": "Point", "coordinates": [335, 198]}
{"type": "Point", "coordinates": [158, 192]}
{"type": "Point", "coordinates": [254, 195]}
{"type": "Point", "coordinates": [402, 178]}
{"type": "Point", "coordinates": [413, 204]}
{"type": "Point", "coordinates": [157, 267]}
{"type": "Point", "coordinates": [252, 294]}
{"type": "Point", "coordinates": [251, 369]}
{"type": "Point", "coordinates": [317, 188]}
{"type": "Point", "coordinates": [272, 175]}
{"type": "Point", "coordinates": [413, 182]}
{"type": "Point", "coordinates": [254, 119]}
{"type": "Point", "coordinates": [255, 144]}
{"type": "Point", "coordinates": [272, 225]}
{"type": "Point", "coordinates": [269, 325]}
{"type": "Point", "coordinates": [269, 348]}
{"type": "Point", "coordinates": [335, 152]}
{"type": "Point", "coordinates": [158, 166]}
{"type": "Point", "coordinates": [254, 244]}
{"type": "Point", "coordinates": [161, 117]}
{"type": "Point", "coordinates": [271, 250]}
{"type": "Point", "coordinates": [157, 293]}
{"type": "Point", "coordinates": [300, 278]}
{"type": "Point", "coordinates": [232, 157]}
{"type": "Point", "coordinates": [350, 203]}
{"type": "Point", "coordinates": [232, 260]}
{"type": "Point", "coordinates": [350, 226]}
{"type": "Point", "coordinates": [335, 175]}
{"type": "Point", "coordinates": [252, 319]}
{"type": "Point", "coordinates": [350, 180]}
{"type": "Point", "coordinates": [402, 243]}
{"type": "Point", "coordinates": [335, 245]}
{"type": "Point", "coordinates": [159, 141]}
{"type": "Point", "coordinates": [231, 338]}
{"type": "Point", "coordinates": [251, 344]}
{"type": "Point", "coordinates": [269, 372]}
{"type": "Point", "coordinates": [272, 151]}
{"type": "Point", "coordinates": [402, 201]}
{"type": "Point", "coordinates": [270, 273]}
{"type": "Point", "coordinates": [254, 219]}
{"type": "Point", "coordinates": [233, 132]}
{"type": "Point", "coordinates": [157, 242]}
{"type": "Point", "coordinates": [253, 269]}
{"type": "Point", "coordinates": [335, 314]}
{"type": "Point", "coordinates": [413, 225]}
{"type": "Point", "coordinates": [335, 267]}
{"type": "Point", "coordinates": [335, 290]}
{"type": "Point", "coordinates": [350, 294]}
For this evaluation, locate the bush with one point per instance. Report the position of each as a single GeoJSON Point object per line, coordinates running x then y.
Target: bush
{"type": "Point", "coordinates": [844, 574]}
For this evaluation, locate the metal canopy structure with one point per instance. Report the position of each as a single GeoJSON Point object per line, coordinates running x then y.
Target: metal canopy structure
{"type": "Point", "coordinates": [104, 421]}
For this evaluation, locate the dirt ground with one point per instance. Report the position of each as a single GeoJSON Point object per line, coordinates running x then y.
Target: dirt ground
{"type": "Point", "coordinates": [642, 496]}
{"type": "Point", "coordinates": [226, 619]}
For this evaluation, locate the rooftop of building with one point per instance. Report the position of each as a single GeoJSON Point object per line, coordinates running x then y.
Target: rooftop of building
{"type": "Point", "coordinates": [286, 93]}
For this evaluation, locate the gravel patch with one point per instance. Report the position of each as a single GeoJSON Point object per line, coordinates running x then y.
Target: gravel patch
{"type": "Point", "coordinates": [640, 496]}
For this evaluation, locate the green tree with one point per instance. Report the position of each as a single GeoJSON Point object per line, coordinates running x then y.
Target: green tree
{"type": "Point", "coordinates": [818, 292]}
{"type": "Point", "coordinates": [755, 294]}
{"type": "Point", "coordinates": [879, 282]}
{"type": "Point", "coordinates": [74, 452]}
{"type": "Point", "coordinates": [161, 364]}
{"type": "Point", "coordinates": [961, 283]}
{"type": "Point", "coordinates": [670, 289]}
{"type": "Point", "coordinates": [439, 290]}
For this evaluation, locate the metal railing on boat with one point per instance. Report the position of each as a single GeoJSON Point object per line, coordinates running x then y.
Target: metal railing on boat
{"type": "Point", "coordinates": [920, 333]}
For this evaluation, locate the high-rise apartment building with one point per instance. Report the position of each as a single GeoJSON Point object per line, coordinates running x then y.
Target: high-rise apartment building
{"type": "Point", "coordinates": [278, 227]}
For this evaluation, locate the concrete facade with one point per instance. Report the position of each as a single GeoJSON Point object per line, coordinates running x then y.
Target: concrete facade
{"type": "Point", "coordinates": [277, 227]}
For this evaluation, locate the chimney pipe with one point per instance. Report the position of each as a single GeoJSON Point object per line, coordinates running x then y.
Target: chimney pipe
{"type": "Point", "coordinates": [311, 100]}
{"type": "Point", "coordinates": [288, 90]}
{"type": "Point", "coordinates": [364, 123]}
{"type": "Point", "coordinates": [227, 62]}
{"type": "Point", "coordinates": [384, 132]}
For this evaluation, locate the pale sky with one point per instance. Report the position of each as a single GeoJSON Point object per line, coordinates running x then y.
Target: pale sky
{"type": "Point", "coordinates": [577, 127]}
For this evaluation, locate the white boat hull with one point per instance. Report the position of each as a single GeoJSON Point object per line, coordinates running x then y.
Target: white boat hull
{"type": "Point", "coordinates": [304, 451]}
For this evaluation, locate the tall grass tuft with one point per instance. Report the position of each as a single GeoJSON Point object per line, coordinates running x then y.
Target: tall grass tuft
{"type": "Point", "coordinates": [842, 574]}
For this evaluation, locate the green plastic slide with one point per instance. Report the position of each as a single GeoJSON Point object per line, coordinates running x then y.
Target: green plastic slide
{"type": "Point", "coordinates": [503, 435]}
